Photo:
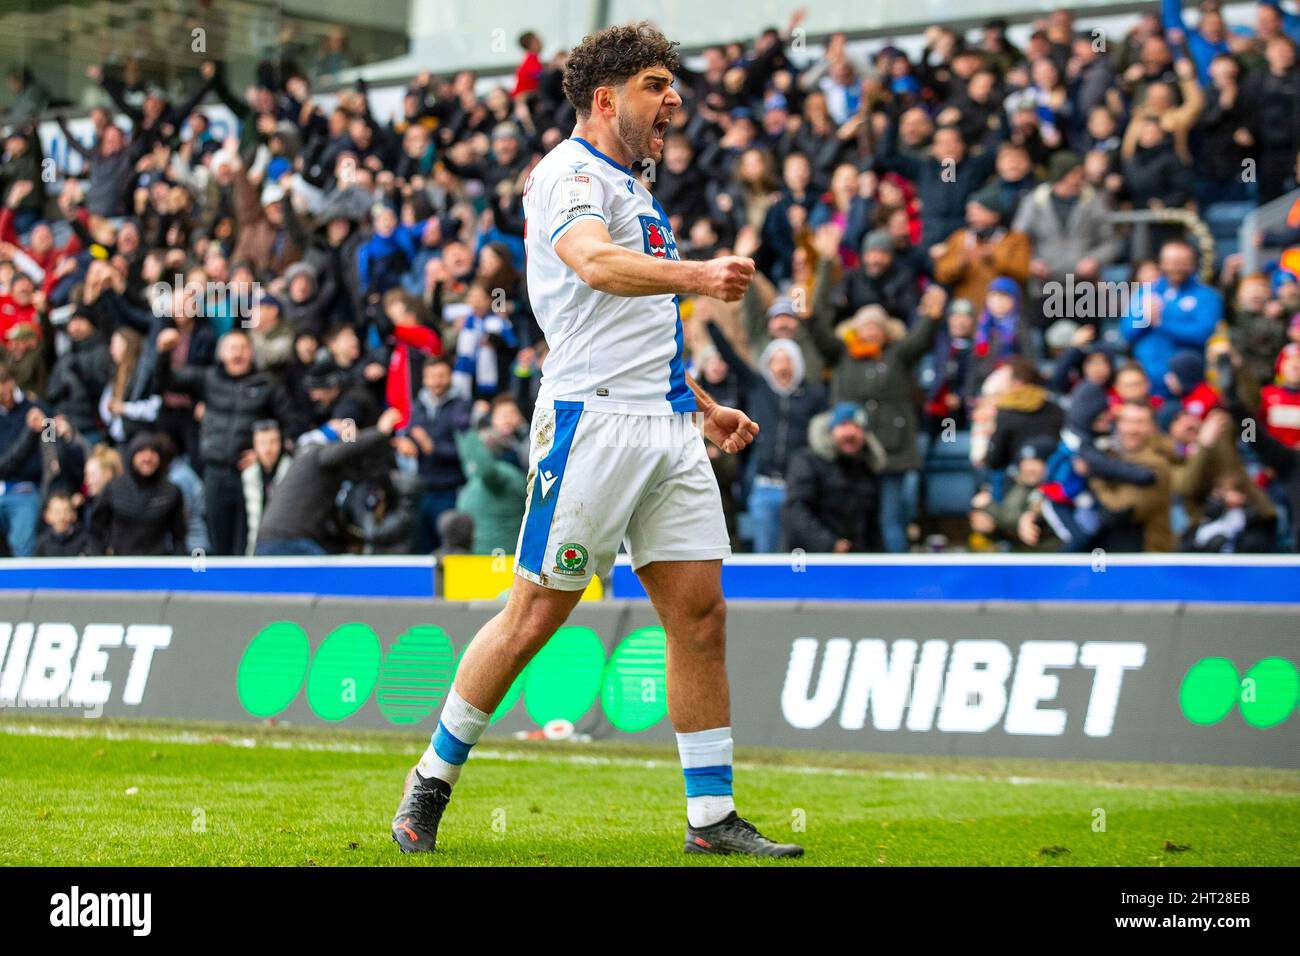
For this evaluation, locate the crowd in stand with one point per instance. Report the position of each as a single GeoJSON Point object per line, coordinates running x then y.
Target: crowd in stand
{"type": "Point", "coordinates": [315, 336]}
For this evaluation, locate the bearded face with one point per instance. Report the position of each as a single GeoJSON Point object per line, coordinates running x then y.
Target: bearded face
{"type": "Point", "coordinates": [645, 107]}
{"type": "Point", "coordinates": [636, 132]}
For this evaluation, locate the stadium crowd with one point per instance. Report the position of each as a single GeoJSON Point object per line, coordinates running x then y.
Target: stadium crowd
{"type": "Point", "coordinates": [315, 336]}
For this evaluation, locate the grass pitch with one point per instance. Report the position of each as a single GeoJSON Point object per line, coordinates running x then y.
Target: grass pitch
{"type": "Point", "coordinates": [109, 793]}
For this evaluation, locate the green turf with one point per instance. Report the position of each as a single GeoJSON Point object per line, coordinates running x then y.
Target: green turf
{"type": "Point", "coordinates": [236, 795]}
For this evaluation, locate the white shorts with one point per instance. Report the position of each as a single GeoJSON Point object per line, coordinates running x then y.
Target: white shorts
{"type": "Point", "coordinates": [596, 479]}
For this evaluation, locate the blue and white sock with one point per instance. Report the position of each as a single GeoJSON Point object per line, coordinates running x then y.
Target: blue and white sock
{"type": "Point", "coordinates": [706, 765]}
{"type": "Point", "coordinates": [460, 725]}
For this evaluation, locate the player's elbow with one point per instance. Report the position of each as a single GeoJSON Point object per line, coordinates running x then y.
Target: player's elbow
{"type": "Point", "coordinates": [589, 274]}
{"type": "Point", "coordinates": [604, 280]}
{"type": "Point", "coordinates": [594, 273]}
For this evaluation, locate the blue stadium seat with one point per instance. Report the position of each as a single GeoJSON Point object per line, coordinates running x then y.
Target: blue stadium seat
{"type": "Point", "coordinates": [949, 477]}
{"type": "Point", "coordinates": [1224, 218]}
{"type": "Point", "coordinates": [1116, 273]}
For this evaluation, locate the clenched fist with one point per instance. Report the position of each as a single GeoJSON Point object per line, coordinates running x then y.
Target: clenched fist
{"type": "Point", "coordinates": [167, 340]}
{"type": "Point", "coordinates": [933, 301]}
{"type": "Point", "coordinates": [727, 277]}
{"type": "Point", "coordinates": [728, 428]}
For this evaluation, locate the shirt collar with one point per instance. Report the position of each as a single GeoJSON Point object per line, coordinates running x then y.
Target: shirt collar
{"type": "Point", "coordinates": [598, 154]}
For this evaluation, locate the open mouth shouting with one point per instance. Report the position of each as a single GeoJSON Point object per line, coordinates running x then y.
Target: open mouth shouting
{"type": "Point", "coordinates": [659, 131]}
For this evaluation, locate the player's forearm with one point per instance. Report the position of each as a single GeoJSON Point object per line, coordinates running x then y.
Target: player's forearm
{"type": "Point", "coordinates": [702, 398]}
{"type": "Point", "coordinates": [610, 268]}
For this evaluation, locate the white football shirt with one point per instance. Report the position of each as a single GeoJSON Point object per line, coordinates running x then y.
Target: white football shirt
{"type": "Point", "coordinates": [611, 353]}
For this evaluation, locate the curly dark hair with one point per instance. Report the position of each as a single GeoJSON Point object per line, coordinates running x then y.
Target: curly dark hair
{"type": "Point", "coordinates": [614, 55]}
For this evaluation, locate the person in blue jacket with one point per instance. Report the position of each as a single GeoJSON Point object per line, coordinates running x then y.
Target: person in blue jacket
{"type": "Point", "coordinates": [1180, 313]}
{"type": "Point", "coordinates": [1208, 40]}
{"type": "Point", "coordinates": [388, 253]}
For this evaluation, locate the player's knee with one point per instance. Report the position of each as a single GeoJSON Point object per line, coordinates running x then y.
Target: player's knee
{"type": "Point", "coordinates": [703, 627]}
{"type": "Point", "coordinates": [516, 643]}
{"type": "Point", "coordinates": [530, 623]}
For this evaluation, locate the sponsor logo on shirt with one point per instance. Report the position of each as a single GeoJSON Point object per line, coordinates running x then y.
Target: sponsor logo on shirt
{"type": "Point", "coordinates": [658, 237]}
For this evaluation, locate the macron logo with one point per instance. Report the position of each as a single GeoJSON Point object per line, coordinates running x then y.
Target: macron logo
{"type": "Point", "coordinates": [548, 479]}
{"type": "Point", "coordinates": [103, 909]}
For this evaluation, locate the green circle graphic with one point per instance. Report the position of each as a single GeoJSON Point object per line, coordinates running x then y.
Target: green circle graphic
{"type": "Point", "coordinates": [512, 694]}
{"type": "Point", "coordinates": [564, 678]}
{"type": "Point", "coordinates": [635, 686]}
{"type": "Point", "coordinates": [1276, 690]}
{"type": "Point", "coordinates": [415, 675]}
{"type": "Point", "coordinates": [1209, 689]}
{"type": "Point", "coordinates": [344, 672]}
{"type": "Point", "coordinates": [272, 669]}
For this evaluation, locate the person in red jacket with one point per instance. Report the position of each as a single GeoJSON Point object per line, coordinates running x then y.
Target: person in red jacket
{"type": "Point", "coordinates": [1280, 402]}
{"type": "Point", "coordinates": [530, 70]}
{"type": "Point", "coordinates": [18, 306]}
{"type": "Point", "coordinates": [408, 336]}
{"type": "Point", "coordinates": [40, 242]}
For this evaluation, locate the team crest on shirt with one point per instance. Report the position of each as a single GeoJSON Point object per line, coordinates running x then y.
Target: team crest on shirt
{"type": "Point", "coordinates": [658, 236]}
{"type": "Point", "coordinates": [570, 558]}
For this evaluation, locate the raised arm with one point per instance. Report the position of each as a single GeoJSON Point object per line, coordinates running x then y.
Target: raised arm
{"type": "Point", "coordinates": [186, 107]}
{"type": "Point", "coordinates": [587, 248]}
{"type": "Point", "coordinates": [73, 143]}
{"type": "Point", "coordinates": [889, 159]}
{"type": "Point", "coordinates": [115, 91]}
{"type": "Point", "coordinates": [1171, 15]}
{"type": "Point", "coordinates": [821, 326]}
{"type": "Point", "coordinates": [744, 371]}
{"type": "Point", "coordinates": [292, 222]}
{"type": "Point", "coordinates": [920, 337]}
{"type": "Point", "coordinates": [216, 72]}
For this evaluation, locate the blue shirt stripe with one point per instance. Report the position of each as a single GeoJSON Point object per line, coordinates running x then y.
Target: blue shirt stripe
{"type": "Point", "coordinates": [565, 225]}
{"type": "Point", "coordinates": [679, 395]}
